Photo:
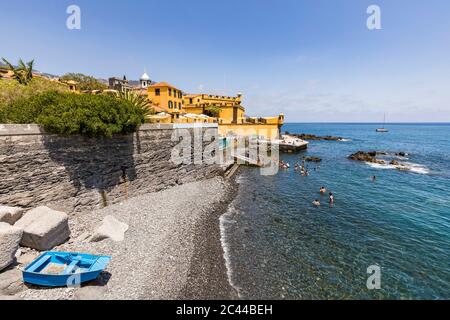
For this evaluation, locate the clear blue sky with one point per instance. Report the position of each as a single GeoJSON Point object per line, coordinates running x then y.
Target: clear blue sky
{"type": "Point", "coordinates": [314, 60]}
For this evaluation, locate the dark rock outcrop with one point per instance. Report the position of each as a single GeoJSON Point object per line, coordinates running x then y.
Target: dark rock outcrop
{"type": "Point", "coordinates": [312, 159]}
{"type": "Point", "coordinates": [306, 136]}
{"type": "Point", "coordinates": [366, 157]}
{"type": "Point", "coordinates": [394, 163]}
{"type": "Point", "coordinates": [401, 154]}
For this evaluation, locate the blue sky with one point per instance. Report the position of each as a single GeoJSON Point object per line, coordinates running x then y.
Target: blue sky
{"type": "Point", "coordinates": [314, 60]}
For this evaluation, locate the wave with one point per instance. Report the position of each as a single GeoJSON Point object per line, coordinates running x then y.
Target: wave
{"type": "Point", "coordinates": [417, 168]}
{"type": "Point", "coordinates": [404, 166]}
{"type": "Point", "coordinates": [345, 140]}
{"type": "Point", "coordinates": [223, 220]}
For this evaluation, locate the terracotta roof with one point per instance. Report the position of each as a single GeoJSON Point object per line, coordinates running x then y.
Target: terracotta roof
{"type": "Point", "coordinates": [163, 84]}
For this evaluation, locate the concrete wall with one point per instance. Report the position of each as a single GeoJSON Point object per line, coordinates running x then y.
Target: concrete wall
{"type": "Point", "coordinates": [75, 173]}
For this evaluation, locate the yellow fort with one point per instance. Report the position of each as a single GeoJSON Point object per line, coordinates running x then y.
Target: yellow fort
{"type": "Point", "coordinates": [174, 106]}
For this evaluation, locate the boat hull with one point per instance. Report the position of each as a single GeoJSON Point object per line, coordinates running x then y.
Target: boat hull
{"type": "Point", "coordinates": [61, 269]}
{"type": "Point", "coordinates": [59, 280]}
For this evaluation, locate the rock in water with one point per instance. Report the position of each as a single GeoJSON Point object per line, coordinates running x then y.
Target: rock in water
{"type": "Point", "coordinates": [111, 228]}
{"type": "Point", "coordinates": [366, 157]}
{"type": "Point", "coordinates": [312, 159]}
{"type": "Point", "coordinates": [9, 243]}
{"type": "Point", "coordinates": [44, 228]}
{"type": "Point", "coordinates": [10, 214]}
{"type": "Point", "coordinates": [394, 163]}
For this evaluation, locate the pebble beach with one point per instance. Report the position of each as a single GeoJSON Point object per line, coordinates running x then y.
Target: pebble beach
{"type": "Point", "coordinates": [171, 250]}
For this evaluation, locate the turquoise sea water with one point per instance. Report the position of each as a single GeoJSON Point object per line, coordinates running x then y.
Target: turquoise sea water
{"type": "Point", "coordinates": [279, 246]}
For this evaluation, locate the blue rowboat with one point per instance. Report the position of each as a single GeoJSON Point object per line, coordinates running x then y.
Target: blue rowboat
{"type": "Point", "coordinates": [61, 269]}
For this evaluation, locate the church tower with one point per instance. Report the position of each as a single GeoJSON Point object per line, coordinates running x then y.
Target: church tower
{"type": "Point", "coordinates": [144, 81]}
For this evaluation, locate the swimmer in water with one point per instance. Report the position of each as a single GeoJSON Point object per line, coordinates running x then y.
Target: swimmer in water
{"type": "Point", "coordinates": [374, 178]}
{"type": "Point", "coordinates": [331, 198]}
{"type": "Point", "coordinates": [323, 190]}
{"type": "Point", "coordinates": [316, 203]}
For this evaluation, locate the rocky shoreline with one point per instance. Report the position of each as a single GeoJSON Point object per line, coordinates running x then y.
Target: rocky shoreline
{"type": "Point", "coordinates": [170, 250]}
{"type": "Point", "coordinates": [307, 136]}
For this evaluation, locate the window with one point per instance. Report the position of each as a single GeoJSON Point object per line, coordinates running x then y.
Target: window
{"type": "Point", "coordinates": [170, 104]}
{"type": "Point", "coordinates": [170, 92]}
{"type": "Point", "coordinates": [157, 92]}
{"type": "Point", "coordinates": [179, 105]}
{"type": "Point", "coordinates": [190, 101]}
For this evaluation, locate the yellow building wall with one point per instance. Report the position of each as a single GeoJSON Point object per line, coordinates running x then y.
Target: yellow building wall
{"type": "Point", "coordinates": [193, 109]}
{"type": "Point", "coordinates": [200, 99]}
{"type": "Point", "coordinates": [167, 94]}
{"type": "Point", "coordinates": [226, 114]}
{"type": "Point", "coordinates": [265, 131]}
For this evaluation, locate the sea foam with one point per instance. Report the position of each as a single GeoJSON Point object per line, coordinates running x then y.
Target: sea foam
{"type": "Point", "coordinates": [223, 220]}
{"type": "Point", "coordinates": [409, 167]}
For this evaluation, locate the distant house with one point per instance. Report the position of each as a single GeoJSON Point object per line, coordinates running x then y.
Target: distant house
{"type": "Point", "coordinates": [119, 84]}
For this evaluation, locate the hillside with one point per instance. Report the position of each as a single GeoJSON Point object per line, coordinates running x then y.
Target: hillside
{"type": "Point", "coordinates": [11, 90]}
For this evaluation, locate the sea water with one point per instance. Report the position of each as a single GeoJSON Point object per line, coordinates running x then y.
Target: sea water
{"type": "Point", "coordinates": [279, 246]}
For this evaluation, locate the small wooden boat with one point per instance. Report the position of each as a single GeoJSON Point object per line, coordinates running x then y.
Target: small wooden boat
{"type": "Point", "coordinates": [60, 269]}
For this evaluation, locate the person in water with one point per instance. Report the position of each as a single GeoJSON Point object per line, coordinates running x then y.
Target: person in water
{"type": "Point", "coordinates": [331, 198]}
{"type": "Point", "coordinates": [316, 203]}
{"type": "Point", "coordinates": [323, 190]}
{"type": "Point", "coordinates": [374, 178]}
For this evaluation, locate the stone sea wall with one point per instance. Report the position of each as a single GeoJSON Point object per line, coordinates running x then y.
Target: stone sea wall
{"type": "Point", "coordinates": [75, 173]}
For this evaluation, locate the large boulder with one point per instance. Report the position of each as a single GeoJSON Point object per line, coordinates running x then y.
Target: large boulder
{"type": "Point", "coordinates": [111, 228]}
{"type": "Point", "coordinates": [9, 243]}
{"type": "Point", "coordinates": [11, 282]}
{"type": "Point", "coordinates": [10, 214]}
{"type": "Point", "coordinates": [44, 228]}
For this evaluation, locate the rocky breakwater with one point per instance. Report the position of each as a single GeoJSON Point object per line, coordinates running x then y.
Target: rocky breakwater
{"type": "Point", "coordinates": [307, 136]}
{"type": "Point", "coordinates": [388, 159]}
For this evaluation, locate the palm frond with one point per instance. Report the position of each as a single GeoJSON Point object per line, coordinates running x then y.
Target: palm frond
{"type": "Point", "coordinates": [137, 100]}
{"type": "Point", "coordinates": [23, 73]}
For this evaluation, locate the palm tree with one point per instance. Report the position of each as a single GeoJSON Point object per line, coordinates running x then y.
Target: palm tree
{"type": "Point", "coordinates": [23, 73]}
{"type": "Point", "coordinates": [137, 100]}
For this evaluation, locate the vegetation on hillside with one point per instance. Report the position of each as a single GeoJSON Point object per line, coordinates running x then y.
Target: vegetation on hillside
{"type": "Point", "coordinates": [11, 90]}
{"type": "Point", "coordinates": [84, 82]}
{"type": "Point", "coordinates": [70, 113]}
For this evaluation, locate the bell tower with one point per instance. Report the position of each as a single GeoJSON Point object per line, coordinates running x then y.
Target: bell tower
{"type": "Point", "coordinates": [144, 80]}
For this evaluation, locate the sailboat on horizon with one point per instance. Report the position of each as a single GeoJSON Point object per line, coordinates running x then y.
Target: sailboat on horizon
{"type": "Point", "coordinates": [383, 129]}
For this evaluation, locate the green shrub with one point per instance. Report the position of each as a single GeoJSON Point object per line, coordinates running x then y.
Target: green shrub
{"type": "Point", "coordinates": [70, 113]}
